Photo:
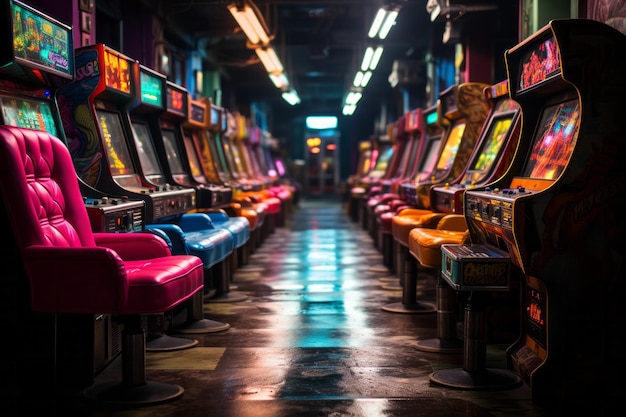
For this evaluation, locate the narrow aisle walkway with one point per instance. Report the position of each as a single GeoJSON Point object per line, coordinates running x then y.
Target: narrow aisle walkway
{"type": "Point", "coordinates": [312, 340]}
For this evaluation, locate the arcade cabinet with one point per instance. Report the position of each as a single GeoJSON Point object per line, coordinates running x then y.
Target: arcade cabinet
{"type": "Point", "coordinates": [557, 212]}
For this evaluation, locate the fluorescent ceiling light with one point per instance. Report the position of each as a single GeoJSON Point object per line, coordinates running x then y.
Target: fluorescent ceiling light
{"type": "Point", "coordinates": [348, 109]}
{"type": "Point", "coordinates": [377, 23]}
{"type": "Point", "coordinates": [362, 78]}
{"type": "Point", "coordinates": [366, 78]}
{"type": "Point", "coordinates": [358, 77]}
{"type": "Point", "coordinates": [279, 79]}
{"type": "Point", "coordinates": [250, 24]}
{"type": "Point", "coordinates": [270, 60]}
{"type": "Point", "coordinates": [371, 57]}
{"type": "Point", "coordinates": [291, 97]}
{"type": "Point", "coordinates": [382, 24]}
{"type": "Point", "coordinates": [390, 20]}
{"type": "Point", "coordinates": [353, 97]}
{"type": "Point", "coordinates": [367, 58]}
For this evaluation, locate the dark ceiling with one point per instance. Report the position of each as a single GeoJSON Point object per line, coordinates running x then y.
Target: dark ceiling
{"type": "Point", "coordinates": [320, 43]}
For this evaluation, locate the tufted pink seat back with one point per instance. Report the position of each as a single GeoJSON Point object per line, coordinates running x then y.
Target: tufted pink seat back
{"type": "Point", "coordinates": [45, 215]}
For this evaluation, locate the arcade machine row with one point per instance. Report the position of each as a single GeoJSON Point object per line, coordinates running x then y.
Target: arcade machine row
{"type": "Point", "coordinates": [407, 150]}
{"type": "Point", "coordinates": [231, 161]}
{"type": "Point", "coordinates": [237, 148]}
{"type": "Point", "coordinates": [492, 155]}
{"type": "Point", "coordinates": [197, 129]}
{"type": "Point", "coordinates": [36, 59]}
{"type": "Point", "coordinates": [558, 214]}
{"type": "Point", "coordinates": [171, 149]}
{"type": "Point", "coordinates": [433, 133]}
{"type": "Point", "coordinates": [463, 110]}
{"type": "Point", "coordinates": [415, 128]}
{"type": "Point", "coordinates": [102, 139]}
{"type": "Point", "coordinates": [256, 157]}
{"type": "Point", "coordinates": [198, 120]}
{"type": "Point", "coordinates": [149, 104]}
{"type": "Point", "coordinates": [380, 155]}
{"type": "Point", "coordinates": [225, 142]}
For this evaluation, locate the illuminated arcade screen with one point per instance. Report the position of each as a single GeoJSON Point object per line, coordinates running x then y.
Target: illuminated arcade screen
{"type": "Point", "coordinates": [237, 158]}
{"type": "Point", "coordinates": [33, 114]}
{"type": "Point", "coordinates": [117, 73]}
{"type": "Point", "coordinates": [451, 146]}
{"type": "Point", "coordinates": [175, 101]}
{"type": "Point", "coordinates": [428, 162]}
{"type": "Point", "coordinates": [192, 156]}
{"type": "Point", "coordinates": [218, 154]}
{"type": "Point", "coordinates": [224, 123]}
{"type": "Point", "coordinates": [383, 159]}
{"type": "Point", "coordinates": [431, 118]}
{"type": "Point", "coordinates": [280, 167]}
{"type": "Point", "coordinates": [196, 113]}
{"type": "Point", "coordinates": [151, 89]}
{"type": "Point", "coordinates": [555, 140]}
{"type": "Point", "coordinates": [110, 124]}
{"type": "Point", "coordinates": [39, 41]}
{"type": "Point", "coordinates": [145, 149]}
{"type": "Point", "coordinates": [538, 64]}
{"type": "Point", "coordinates": [174, 157]}
{"type": "Point", "coordinates": [489, 151]}
{"type": "Point", "coordinates": [230, 161]}
{"type": "Point", "coordinates": [215, 117]}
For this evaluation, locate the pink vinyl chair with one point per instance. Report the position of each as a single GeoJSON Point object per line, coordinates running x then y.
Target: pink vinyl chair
{"type": "Point", "coordinates": [71, 270]}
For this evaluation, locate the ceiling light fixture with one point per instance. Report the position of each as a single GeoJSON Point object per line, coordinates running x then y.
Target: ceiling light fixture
{"type": "Point", "coordinates": [270, 60]}
{"type": "Point", "coordinates": [362, 78]}
{"type": "Point", "coordinates": [291, 97]}
{"type": "Point", "coordinates": [250, 24]}
{"type": "Point", "coordinates": [371, 57]}
{"type": "Point", "coordinates": [383, 22]}
{"type": "Point", "coordinates": [279, 79]}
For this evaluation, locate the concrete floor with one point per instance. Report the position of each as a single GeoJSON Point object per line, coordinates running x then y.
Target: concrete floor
{"type": "Point", "coordinates": [311, 339]}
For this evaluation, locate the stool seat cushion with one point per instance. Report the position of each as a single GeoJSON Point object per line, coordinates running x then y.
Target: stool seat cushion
{"type": "Point", "coordinates": [402, 224]}
{"type": "Point", "coordinates": [425, 244]}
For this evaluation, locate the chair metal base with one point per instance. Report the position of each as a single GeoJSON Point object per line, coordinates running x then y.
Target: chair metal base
{"type": "Point", "coordinates": [418, 307]}
{"type": "Point", "coordinates": [487, 379]}
{"type": "Point", "coordinates": [119, 394]}
{"type": "Point", "coordinates": [390, 278]}
{"type": "Point", "coordinates": [201, 326]}
{"type": "Point", "coordinates": [379, 268]}
{"type": "Point", "coordinates": [440, 345]}
{"type": "Point", "coordinates": [393, 286]}
{"type": "Point", "coordinates": [166, 343]}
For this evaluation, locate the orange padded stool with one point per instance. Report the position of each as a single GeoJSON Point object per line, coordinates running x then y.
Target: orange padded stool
{"type": "Point", "coordinates": [401, 224]}
{"type": "Point", "coordinates": [406, 267]}
{"type": "Point", "coordinates": [425, 246]}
